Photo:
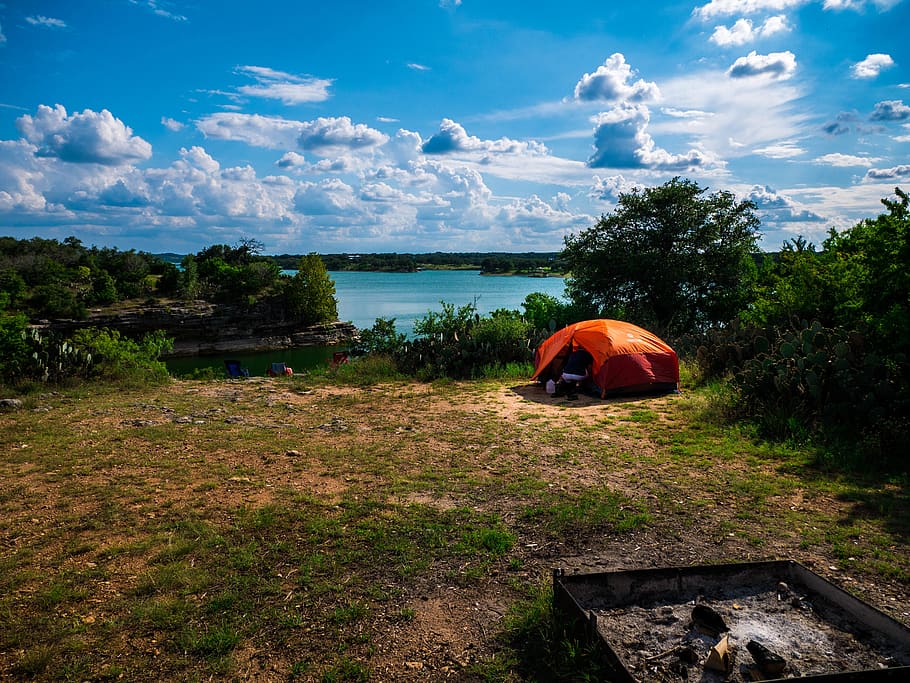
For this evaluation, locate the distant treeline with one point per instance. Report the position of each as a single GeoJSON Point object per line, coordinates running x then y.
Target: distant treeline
{"type": "Point", "coordinates": [487, 262]}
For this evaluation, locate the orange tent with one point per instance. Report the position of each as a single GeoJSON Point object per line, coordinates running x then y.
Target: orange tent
{"type": "Point", "coordinates": [627, 359]}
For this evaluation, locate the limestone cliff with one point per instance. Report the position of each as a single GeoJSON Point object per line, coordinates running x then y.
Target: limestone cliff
{"type": "Point", "coordinates": [199, 328]}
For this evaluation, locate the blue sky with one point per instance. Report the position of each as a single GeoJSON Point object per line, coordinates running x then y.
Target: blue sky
{"type": "Point", "coordinates": [439, 125]}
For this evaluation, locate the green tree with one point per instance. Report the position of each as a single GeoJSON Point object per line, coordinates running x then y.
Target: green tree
{"type": "Point", "coordinates": [871, 261]}
{"type": "Point", "coordinates": [310, 294]}
{"type": "Point", "coordinates": [670, 257]}
{"type": "Point", "coordinates": [546, 312]}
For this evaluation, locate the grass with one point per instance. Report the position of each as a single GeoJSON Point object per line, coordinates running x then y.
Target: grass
{"type": "Point", "coordinates": [317, 518]}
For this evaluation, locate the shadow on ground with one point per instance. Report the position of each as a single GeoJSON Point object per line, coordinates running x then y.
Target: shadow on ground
{"type": "Point", "coordinates": [537, 393]}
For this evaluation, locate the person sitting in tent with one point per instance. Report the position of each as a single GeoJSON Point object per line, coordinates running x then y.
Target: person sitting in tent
{"type": "Point", "coordinates": [576, 370]}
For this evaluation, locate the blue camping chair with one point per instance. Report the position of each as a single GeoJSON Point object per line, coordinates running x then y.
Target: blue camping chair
{"type": "Point", "coordinates": [280, 370]}
{"type": "Point", "coordinates": [234, 370]}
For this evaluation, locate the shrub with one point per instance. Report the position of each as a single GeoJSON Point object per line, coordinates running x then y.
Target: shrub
{"type": "Point", "coordinates": [382, 338]}
{"type": "Point", "coordinates": [827, 383]}
{"type": "Point", "coordinates": [119, 359]}
{"type": "Point", "coordinates": [459, 344]}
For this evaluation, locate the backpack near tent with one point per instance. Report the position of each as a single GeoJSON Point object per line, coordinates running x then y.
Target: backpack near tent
{"type": "Point", "coordinates": [627, 358]}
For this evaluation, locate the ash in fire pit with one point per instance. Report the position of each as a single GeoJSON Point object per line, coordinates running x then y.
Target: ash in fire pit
{"type": "Point", "coordinates": [742, 624]}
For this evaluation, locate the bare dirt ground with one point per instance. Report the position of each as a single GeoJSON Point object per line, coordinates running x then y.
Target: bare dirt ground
{"type": "Point", "coordinates": [494, 431]}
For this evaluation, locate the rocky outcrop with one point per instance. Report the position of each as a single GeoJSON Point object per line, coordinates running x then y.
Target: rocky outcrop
{"type": "Point", "coordinates": [199, 328]}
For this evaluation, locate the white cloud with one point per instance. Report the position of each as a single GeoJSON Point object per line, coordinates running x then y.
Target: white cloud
{"type": "Point", "coordinates": [687, 114]}
{"type": "Point", "coordinates": [289, 88]}
{"type": "Point", "coordinates": [452, 137]}
{"type": "Point", "coordinates": [158, 7]}
{"type": "Point", "coordinates": [326, 134]}
{"type": "Point", "coordinates": [725, 8]}
{"type": "Point", "coordinates": [534, 215]}
{"type": "Point", "coordinates": [171, 124]}
{"type": "Point", "coordinates": [611, 83]}
{"type": "Point", "coordinates": [785, 149]}
{"type": "Point", "coordinates": [2, 36]}
{"type": "Point", "coordinates": [328, 197]}
{"type": "Point", "coordinates": [414, 66]}
{"type": "Point", "coordinates": [608, 189]}
{"type": "Point", "coordinates": [858, 5]}
{"type": "Point", "coordinates": [271, 132]}
{"type": "Point", "coordinates": [47, 22]}
{"type": "Point", "coordinates": [291, 160]}
{"type": "Point", "coordinates": [845, 160]}
{"type": "Point", "coordinates": [621, 140]}
{"type": "Point", "coordinates": [89, 137]}
{"type": "Point", "coordinates": [890, 110]}
{"type": "Point", "coordinates": [744, 113]}
{"type": "Point", "coordinates": [776, 206]}
{"type": "Point", "coordinates": [776, 65]}
{"type": "Point", "coordinates": [895, 172]}
{"type": "Point", "coordinates": [743, 32]}
{"type": "Point", "coordinates": [871, 66]}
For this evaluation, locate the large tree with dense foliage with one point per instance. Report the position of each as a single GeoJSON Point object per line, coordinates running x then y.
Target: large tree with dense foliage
{"type": "Point", "coordinates": [671, 258]}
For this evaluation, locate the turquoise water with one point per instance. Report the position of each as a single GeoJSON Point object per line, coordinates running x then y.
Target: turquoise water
{"type": "Point", "coordinates": [407, 297]}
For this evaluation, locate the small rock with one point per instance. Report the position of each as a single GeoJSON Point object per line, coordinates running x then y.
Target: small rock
{"type": "Point", "coordinates": [10, 403]}
{"type": "Point", "coordinates": [292, 454]}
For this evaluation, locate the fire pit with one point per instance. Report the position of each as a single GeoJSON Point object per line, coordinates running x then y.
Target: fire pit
{"type": "Point", "coordinates": [762, 621]}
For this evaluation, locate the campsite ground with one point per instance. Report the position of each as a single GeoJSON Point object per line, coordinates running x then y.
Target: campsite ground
{"type": "Point", "coordinates": [278, 529]}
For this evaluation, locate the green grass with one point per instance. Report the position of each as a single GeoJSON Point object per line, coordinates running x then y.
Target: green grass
{"type": "Point", "coordinates": [210, 540]}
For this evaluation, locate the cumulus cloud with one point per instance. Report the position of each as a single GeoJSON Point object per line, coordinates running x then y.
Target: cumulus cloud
{"type": "Point", "coordinates": [404, 147]}
{"type": "Point", "coordinates": [743, 31]}
{"type": "Point", "coordinates": [330, 133]}
{"type": "Point", "coordinates": [608, 189]}
{"type": "Point", "coordinates": [271, 132]}
{"type": "Point", "coordinates": [621, 140]}
{"type": "Point", "coordinates": [327, 197]}
{"type": "Point", "coordinates": [611, 82]}
{"type": "Point", "coordinates": [289, 88]}
{"type": "Point", "coordinates": [533, 214]}
{"type": "Point", "coordinates": [452, 137]}
{"type": "Point", "coordinates": [871, 66]}
{"type": "Point", "coordinates": [291, 160]}
{"type": "Point", "coordinates": [89, 137]}
{"type": "Point", "coordinates": [46, 22]}
{"type": "Point", "coordinates": [890, 110]}
{"type": "Point", "coordinates": [893, 173]}
{"type": "Point", "coordinates": [780, 207]}
{"type": "Point", "coordinates": [776, 65]}
{"type": "Point", "coordinates": [845, 160]}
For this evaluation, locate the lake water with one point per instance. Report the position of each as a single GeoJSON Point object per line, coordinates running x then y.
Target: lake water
{"type": "Point", "coordinates": [407, 297]}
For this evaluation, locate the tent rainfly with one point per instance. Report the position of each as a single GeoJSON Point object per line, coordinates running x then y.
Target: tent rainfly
{"type": "Point", "coordinates": [627, 358]}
